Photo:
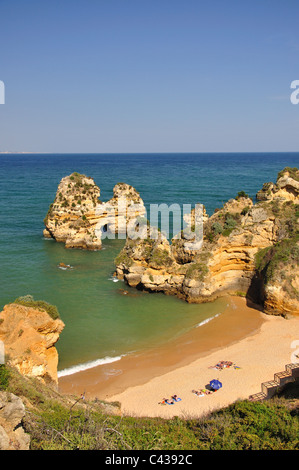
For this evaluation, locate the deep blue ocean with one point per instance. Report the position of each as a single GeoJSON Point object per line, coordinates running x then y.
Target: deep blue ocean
{"type": "Point", "coordinates": [101, 323]}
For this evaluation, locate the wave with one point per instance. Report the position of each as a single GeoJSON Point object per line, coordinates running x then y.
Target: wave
{"type": "Point", "coordinates": [207, 320]}
{"type": "Point", "coordinates": [88, 365]}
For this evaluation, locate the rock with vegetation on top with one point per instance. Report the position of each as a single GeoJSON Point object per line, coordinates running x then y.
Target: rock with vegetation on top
{"type": "Point", "coordinates": [286, 187]}
{"type": "Point", "coordinates": [29, 330]}
{"type": "Point", "coordinates": [247, 248]}
{"type": "Point", "coordinates": [80, 220]}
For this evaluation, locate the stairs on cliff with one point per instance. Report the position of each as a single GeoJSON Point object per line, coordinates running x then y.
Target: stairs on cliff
{"type": "Point", "coordinates": [268, 389]}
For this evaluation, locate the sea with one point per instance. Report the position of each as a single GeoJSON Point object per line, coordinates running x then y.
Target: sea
{"type": "Point", "coordinates": [104, 318]}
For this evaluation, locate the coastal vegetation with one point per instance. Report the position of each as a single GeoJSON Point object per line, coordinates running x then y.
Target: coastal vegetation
{"type": "Point", "coordinates": [28, 301]}
{"type": "Point", "coordinates": [278, 263]}
{"type": "Point", "coordinates": [59, 422]}
{"type": "Point", "coordinates": [255, 240]}
{"type": "Point", "coordinates": [197, 271]}
{"type": "Point", "coordinates": [293, 173]}
{"type": "Point", "coordinates": [226, 222]}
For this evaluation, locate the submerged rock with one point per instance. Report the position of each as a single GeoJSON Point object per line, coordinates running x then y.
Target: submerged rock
{"type": "Point", "coordinates": [65, 266]}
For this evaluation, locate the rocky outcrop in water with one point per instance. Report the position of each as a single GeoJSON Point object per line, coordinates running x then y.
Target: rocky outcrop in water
{"type": "Point", "coordinates": [29, 335]}
{"type": "Point", "coordinates": [235, 255]}
{"type": "Point", "coordinates": [80, 220]}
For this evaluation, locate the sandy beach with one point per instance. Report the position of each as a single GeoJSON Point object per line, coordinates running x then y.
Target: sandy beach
{"type": "Point", "coordinates": [257, 344]}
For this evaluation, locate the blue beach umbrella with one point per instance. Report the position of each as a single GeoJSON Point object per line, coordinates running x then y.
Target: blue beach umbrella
{"type": "Point", "coordinates": [215, 384]}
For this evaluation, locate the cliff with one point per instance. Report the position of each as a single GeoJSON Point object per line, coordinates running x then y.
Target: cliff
{"type": "Point", "coordinates": [285, 188]}
{"type": "Point", "coordinates": [29, 334]}
{"type": "Point", "coordinates": [229, 260]}
{"type": "Point", "coordinates": [80, 220]}
{"type": "Point", "coordinates": [12, 412]}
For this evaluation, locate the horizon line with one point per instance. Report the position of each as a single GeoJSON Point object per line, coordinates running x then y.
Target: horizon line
{"type": "Point", "coordinates": [149, 153]}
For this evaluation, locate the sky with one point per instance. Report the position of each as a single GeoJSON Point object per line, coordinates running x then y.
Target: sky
{"type": "Point", "coordinates": [141, 76]}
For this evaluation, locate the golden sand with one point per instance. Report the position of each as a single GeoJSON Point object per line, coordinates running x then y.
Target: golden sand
{"type": "Point", "coordinates": [258, 345]}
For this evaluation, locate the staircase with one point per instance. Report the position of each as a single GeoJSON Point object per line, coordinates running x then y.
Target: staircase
{"type": "Point", "coordinates": [268, 389]}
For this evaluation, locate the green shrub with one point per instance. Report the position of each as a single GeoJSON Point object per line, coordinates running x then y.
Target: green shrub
{"type": "Point", "coordinates": [241, 194]}
{"type": "Point", "coordinates": [197, 271]}
{"type": "Point", "coordinates": [229, 225]}
{"type": "Point", "coordinates": [217, 228]}
{"type": "Point", "coordinates": [28, 301]}
{"type": "Point", "coordinates": [245, 210]}
{"type": "Point", "coordinates": [242, 426]}
{"type": "Point", "coordinates": [160, 257]}
{"type": "Point", "coordinates": [293, 172]}
{"type": "Point", "coordinates": [269, 261]}
{"type": "Point", "coordinates": [4, 377]}
{"type": "Point", "coordinates": [123, 258]}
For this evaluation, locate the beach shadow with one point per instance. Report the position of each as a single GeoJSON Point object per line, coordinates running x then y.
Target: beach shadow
{"type": "Point", "coordinates": [254, 295]}
{"type": "Point", "coordinates": [208, 387]}
{"type": "Point", "coordinates": [290, 391]}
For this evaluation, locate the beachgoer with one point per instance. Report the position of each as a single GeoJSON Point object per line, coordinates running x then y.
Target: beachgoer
{"type": "Point", "coordinates": [163, 402]}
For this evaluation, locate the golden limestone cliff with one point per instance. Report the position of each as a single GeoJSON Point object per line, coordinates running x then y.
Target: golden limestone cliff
{"type": "Point", "coordinates": [80, 220]}
{"type": "Point", "coordinates": [29, 330]}
{"type": "Point", "coordinates": [247, 248]}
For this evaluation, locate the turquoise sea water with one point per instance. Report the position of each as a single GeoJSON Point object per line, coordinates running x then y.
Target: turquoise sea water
{"type": "Point", "coordinates": [101, 322]}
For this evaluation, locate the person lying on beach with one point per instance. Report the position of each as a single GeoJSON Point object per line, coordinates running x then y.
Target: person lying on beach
{"type": "Point", "coordinates": [166, 401]}
{"type": "Point", "coordinates": [202, 392]}
{"type": "Point", "coordinates": [222, 365]}
{"type": "Point", "coordinates": [175, 398]}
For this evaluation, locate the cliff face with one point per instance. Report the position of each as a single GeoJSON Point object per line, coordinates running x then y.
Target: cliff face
{"type": "Point", "coordinates": [285, 188]}
{"type": "Point", "coordinates": [226, 261]}
{"type": "Point", "coordinates": [29, 336]}
{"type": "Point", "coordinates": [12, 412]}
{"type": "Point", "coordinates": [78, 219]}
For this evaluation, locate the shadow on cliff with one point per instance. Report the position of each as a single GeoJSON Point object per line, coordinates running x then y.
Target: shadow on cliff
{"type": "Point", "coordinates": [255, 293]}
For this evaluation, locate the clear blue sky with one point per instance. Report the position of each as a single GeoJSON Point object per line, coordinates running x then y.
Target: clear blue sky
{"type": "Point", "coordinates": [149, 75]}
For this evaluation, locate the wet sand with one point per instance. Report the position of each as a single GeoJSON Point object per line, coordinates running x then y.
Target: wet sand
{"type": "Point", "coordinates": [114, 381]}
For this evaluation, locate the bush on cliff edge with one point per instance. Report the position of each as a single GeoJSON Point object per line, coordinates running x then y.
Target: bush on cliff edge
{"type": "Point", "coordinates": [28, 301]}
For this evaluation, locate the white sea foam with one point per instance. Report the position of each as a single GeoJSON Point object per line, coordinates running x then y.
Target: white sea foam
{"type": "Point", "coordinates": [207, 320]}
{"type": "Point", "coordinates": [88, 365]}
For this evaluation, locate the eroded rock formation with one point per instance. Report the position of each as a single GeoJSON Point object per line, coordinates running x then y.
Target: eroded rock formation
{"type": "Point", "coordinates": [80, 220]}
{"type": "Point", "coordinates": [29, 336]}
{"type": "Point", "coordinates": [285, 188]}
{"type": "Point", "coordinates": [233, 238]}
{"type": "Point", "coordinates": [12, 412]}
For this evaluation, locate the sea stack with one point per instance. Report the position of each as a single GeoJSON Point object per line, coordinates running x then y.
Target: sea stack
{"type": "Point", "coordinates": [79, 219]}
